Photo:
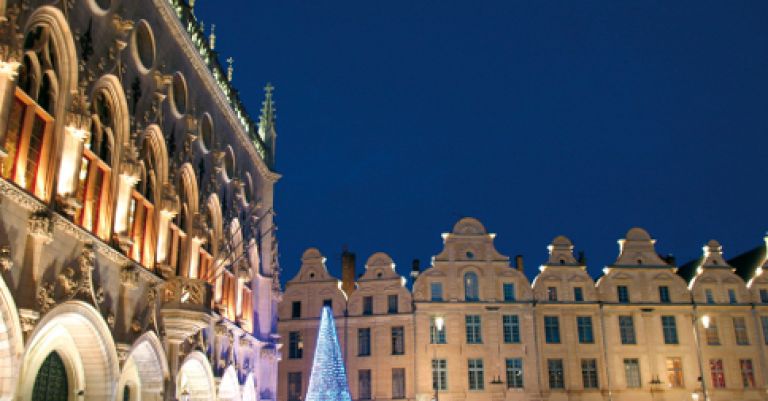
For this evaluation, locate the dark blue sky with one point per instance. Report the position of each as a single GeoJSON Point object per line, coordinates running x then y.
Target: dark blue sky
{"type": "Point", "coordinates": [582, 118]}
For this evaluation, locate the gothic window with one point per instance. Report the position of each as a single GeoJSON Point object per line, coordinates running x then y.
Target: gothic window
{"type": "Point", "coordinates": [30, 124]}
{"type": "Point", "coordinates": [51, 381]}
{"type": "Point", "coordinates": [471, 290]}
{"type": "Point", "coordinates": [141, 217]}
{"type": "Point", "coordinates": [93, 181]}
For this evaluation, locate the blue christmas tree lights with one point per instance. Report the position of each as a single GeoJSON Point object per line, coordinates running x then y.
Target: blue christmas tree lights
{"type": "Point", "coordinates": [328, 380]}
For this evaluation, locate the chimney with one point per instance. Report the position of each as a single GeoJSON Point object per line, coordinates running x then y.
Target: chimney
{"type": "Point", "coordinates": [582, 258]}
{"type": "Point", "coordinates": [671, 260]}
{"type": "Point", "coordinates": [415, 270]}
{"type": "Point", "coordinates": [347, 272]}
{"type": "Point", "coordinates": [519, 263]}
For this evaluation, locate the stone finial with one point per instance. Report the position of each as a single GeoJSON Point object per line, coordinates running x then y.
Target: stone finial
{"type": "Point", "coordinates": [212, 37]}
{"type": "Point", "coordinates": [638, 249]}
{"type": "Point", "coordinates": [561, 252]}
{"type": "Point", "coordinates": [268, 110]}
{"type": "Point", "coordinates": [230, 68]}
{"type": "Point", "coordinates": [713, 255]}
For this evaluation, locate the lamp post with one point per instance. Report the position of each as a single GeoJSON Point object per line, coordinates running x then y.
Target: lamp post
{"type": "Point", "coordinates": [705, 321]}
{"type": "Point", "coordinates": [439, 325]}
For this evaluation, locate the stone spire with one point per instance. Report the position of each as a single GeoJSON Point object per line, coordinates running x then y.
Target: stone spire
{"type": "Point", "coordinates": [267, 116]}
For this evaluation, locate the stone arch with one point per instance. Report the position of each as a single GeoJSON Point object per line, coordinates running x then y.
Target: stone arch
{"type": "Point", "coordinates": [153, 138]}
{"type": "Point", "coordinates": [110, 86]}
{"type": "Point", "coordinates": [188, 185]}
{"type": "Point", "coordinates": [229, 388]}
{"type": "Point", "coordinates": [145, 368]}
{"type": "Point", "coordinates": [196, 378]}
{"type": "Point", "coordinates": [249, 388]}
{"type": "Point", "coordinates": [65, 52]}
{"type": "Point", "coordinates": [77, 332]}
{"type": "Point", "coordinates": [236, 237]}
{"type": "Point", "coordinates": [213, 207]}
{"type": "Point", "coordinates": [11, 343]}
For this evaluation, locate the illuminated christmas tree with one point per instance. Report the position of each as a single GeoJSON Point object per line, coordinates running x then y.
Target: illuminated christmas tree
{"type": "Point", "coordinates": [328, 380]}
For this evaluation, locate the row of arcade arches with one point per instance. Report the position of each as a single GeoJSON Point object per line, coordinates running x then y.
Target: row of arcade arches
{"type": "Point", "coordinates": [70, 355]}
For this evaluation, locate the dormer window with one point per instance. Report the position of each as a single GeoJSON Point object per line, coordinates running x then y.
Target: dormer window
{"type": "Point", "coordinates": [622, 293]}
{"type": "Point", "coordinates": [471, 290]}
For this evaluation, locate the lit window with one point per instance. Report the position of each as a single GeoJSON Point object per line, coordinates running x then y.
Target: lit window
{"type": "Point", "coordinates": [295, 345]}
{"type": "Point", "coordinates": [747, 373]}
{"type": "Point", "coordinates": [740, 330]}
{"type": "Point", "coordinates": [471, 290]}
{"type": "Point", "coordinates": [589, 373]}
{"type": "Point", "coordinates": [711, 332]}
{"type": "Point", "coordinates": [439, 374]}
{"type": "Point", "coordinates": [552, 294]}
{"type": "Point", "coordinates": [718, 375]}
{"type": "Point", "coordinates": [436, 336]}
{"type": "Point", "coordinates": [632, 373]}
{"type": "Point", "coordinates": [675, 372]}
{"type": "Point", "coordinates": [555, 373]}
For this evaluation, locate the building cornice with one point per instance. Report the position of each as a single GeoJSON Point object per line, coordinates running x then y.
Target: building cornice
{"type": "Point", "coordinates": [190, 51]}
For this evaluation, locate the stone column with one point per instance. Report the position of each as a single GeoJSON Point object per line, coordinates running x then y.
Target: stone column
{"type": "Point", "coordinates": [8, 72]}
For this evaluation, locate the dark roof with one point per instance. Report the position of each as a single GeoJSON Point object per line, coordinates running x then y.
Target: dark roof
{"type": "Point", "coordinates": [688, 270]}
{"type": "Point", "coordinates": [747, 262]}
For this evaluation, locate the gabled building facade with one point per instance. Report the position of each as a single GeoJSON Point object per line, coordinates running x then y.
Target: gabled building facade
{"type": "Point", "coordinates": [480, 330]}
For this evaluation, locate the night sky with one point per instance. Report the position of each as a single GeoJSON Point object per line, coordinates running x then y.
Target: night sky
{"type": "Point", "coordinates": [540, 118]}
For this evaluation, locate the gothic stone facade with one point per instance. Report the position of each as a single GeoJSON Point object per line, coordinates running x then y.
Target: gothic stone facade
{"type": "Point", "coordinates": [640, 332]}
{"type": "Point", "coordinates": [137, 244]}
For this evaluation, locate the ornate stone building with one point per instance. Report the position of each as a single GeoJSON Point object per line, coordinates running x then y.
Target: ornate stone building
{"type": "Point", "coordinates": [137, 243]}
{"type": "Point", "coordinates": [476, 328]}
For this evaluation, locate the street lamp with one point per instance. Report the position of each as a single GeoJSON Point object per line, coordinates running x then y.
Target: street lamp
{"type": "Point", "coordinates": [439, 325]}
{"type": "Point", "coordinates": [705, 321]}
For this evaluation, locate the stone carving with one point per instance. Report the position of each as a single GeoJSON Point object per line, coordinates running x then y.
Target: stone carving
{"type": "Point", "coordinates": [121, 25]}
{"type": "Point", "coordinates": [6, 262]}
{"type": "Point", "coordinates": [40, 225]}
{"type": "Point", "coordinates": [184, 291]}
{"type": "Point", "coordinates": [44, 297]}
{"type": "Point", "coordinates": [19, 197]}
{"type": "Point", "coordinates": [129, 276]}
{"type": "Point", "coordinates": [28, 319]}
{"type": "Point", "coordinates": [80, 283]}
{"type": "Point", "coordinates": [11, 37]}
